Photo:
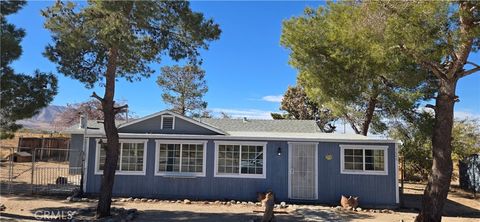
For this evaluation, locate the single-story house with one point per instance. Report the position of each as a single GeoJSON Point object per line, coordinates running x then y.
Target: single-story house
{"type": "Point", "coordinates": [167, 155]}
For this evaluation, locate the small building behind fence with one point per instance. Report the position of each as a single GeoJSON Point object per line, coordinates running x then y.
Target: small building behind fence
{"type": "Point", "coordinates": [20, 157]}
{"type": "Point", "coordinates": [50, 147]}
{"type": "Point", "coordinates": [469, 173]}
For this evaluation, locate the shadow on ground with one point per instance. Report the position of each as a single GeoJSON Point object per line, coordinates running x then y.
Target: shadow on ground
{"type": "Point", "coordinates": [15, 217]}
{"type": "Point", "coordinates": [413, 203]}
{"type": "Point", "coordinates": [27, 196]}
{"type": "Point", "coordinates": [300, 215]}
{"type": "Point", "coordinates": [330, 215]}
{"type": "Point", "coordinates": [159, 215]}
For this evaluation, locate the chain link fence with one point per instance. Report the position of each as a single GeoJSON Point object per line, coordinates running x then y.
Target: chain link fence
{"type": "Point", "coordinates": [40, 170]}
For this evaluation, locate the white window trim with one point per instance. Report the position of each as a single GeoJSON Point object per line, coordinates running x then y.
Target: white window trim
{"type": "Point", "coordinates": [240, 175]}
{"type": "Point", "coordinates": [180, 174]}
{"type": "Point", "coordinates": [119, 172]}
{"type": "Point", "coordinates": [363, 147]}
{"type": "Point", "coordinates": [168, 116]}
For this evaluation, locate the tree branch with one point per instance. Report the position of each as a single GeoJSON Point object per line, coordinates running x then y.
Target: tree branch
{"type": "Point", "coordinates": [430, 106]}
{"type": "Point", "coordinates": [466, 28]}
{"type": "Point", "coordinates": [94, 95]}
{"type": "Point", "coordinates": [468, 72]}
{"type": "Point", "coordinates": [471, 63]}
{"type": "Point", "coordinates": [352, 123]}
{"type": "Point", "coordinates": [434, 67]}
{"type": "Point", "coordinates": [120, 109]}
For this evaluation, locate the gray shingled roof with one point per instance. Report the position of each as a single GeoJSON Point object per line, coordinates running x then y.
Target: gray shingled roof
{"type": "Point", "coordinates": [230, 125]}
{"type": "Point", "coordinates": [258, 125]}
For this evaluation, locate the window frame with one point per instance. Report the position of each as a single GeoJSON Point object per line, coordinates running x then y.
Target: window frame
{"type": "Point", "coordinates": [168, 116]}
{"type": "Point", "coordinates": [239, 174]}
{"type": "Point", "coordinates": [180, 174]}
{"type": "Point", "coordinates": [363, 148]}
{"type": "Point", "coordinates": [121, 141]}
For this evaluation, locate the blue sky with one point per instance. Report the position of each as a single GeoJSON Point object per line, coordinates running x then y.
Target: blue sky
{"type": "Point", "coordinates": [246, 69]}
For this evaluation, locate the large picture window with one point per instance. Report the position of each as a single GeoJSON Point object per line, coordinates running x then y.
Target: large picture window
{"type": "Point", "coordinates": [131, 158]}
{"type": "Point", "coordinates": [183, 158]}
{"type": "Point", "coordinates": [358, 159]}
{"type": "Point", "coordinates": [240, 159]}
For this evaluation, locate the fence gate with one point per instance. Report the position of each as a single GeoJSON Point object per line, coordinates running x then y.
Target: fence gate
{"type": "Point", "coordinates": [41, 170]}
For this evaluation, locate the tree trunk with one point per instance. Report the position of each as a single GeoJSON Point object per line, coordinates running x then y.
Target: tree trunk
{"type": "Point", "coordinates": [112, 150]}
{"type": "Point", "coordinates": [372, 102]}
{"type": "Point", "coordinates": [436, 191]}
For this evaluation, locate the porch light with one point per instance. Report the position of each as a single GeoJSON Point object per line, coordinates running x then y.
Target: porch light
{"type": "Point", "coordinates": [279, 151]}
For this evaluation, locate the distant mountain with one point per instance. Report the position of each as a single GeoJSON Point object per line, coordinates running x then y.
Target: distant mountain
{"type": "Point", "coordinates": [44, 119]}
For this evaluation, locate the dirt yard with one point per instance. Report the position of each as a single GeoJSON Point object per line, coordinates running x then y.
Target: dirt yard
{"type": "Point", "coordinates": [459, 204]}
{"type": "Point", "coordinates": [46, 172]}
{"type": "Point", "coordinates": [461, 207]}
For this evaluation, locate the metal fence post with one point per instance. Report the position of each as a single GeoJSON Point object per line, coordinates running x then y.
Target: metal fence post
{"type": "Point", "coordinates": [10, 172]}
{"type": "Point", "coordinates": [33, 168]}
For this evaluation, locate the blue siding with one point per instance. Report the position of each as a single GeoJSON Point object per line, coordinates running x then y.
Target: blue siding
{"type": "Point", "coordinates": [153, 125]}
{"type": "Point", "coordinates": [376, 190]}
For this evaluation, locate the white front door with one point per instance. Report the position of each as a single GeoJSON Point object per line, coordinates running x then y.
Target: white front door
{"type": "Point", "coordinates": [302, 164]}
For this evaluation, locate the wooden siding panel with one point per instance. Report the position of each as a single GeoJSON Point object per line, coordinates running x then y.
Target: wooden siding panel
{"type": "Point", "coordinates": [372, 189]}
{"type": "Point", "coordinates": [153, 125]}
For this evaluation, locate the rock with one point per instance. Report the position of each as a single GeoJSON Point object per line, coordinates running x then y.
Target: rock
{"type": "Point", "coordinates": [111, 219]}
{"type": "Point", "coordinates": [2, 207]}
{"type": "Point", "coordinates": [283, 205]}
{"type": "Point", "coordinates": [238, 202]}
{"type": "Point", "coordinates": [86, 199]}
{"type": "Point", "coordinates": [206, 202]}
{"type": "Point", "coordinates": [217, 202]}
{"type": "Point", "coordinates": [130, 199]}
{"type": "Point", "coordinates": [387, 211]}
{"type": "Point", "coordinates": [113, 200]}
{"type": "Point", "coordinates": [149, 200]}
{"type": "Point", "coordinates": [338, 208]}
{"type": "Point", "coordinates": [258, 204]}
{"type": "Point", "coordinates": [250, 203]}
{"type": "Point", "coordinates": [69, 198]}
{"type": "Point", "coordinates": [156, 200]}
{"type": "Point", "coordinates": [136, 200]}
{"type": "Point", "coordinates": [130, 216]}
{"type": "Point", "coordinates": [132, 211]}
{"type": "Point", "coordinates": [244, 203]}
{"type": "Point", "coordinates": [187, 201]}
{"type": "Point", "coordinates": [229, 203]}
{"type": "Point", "coordinates": [75, 199]}
{"type": "Point", "coordinates": [172, 201]}
{"type": "Point", "coordinates": [358, 209]}
{"type": "Point", "coordinates": [143, 199]}
{"type": "Point", "coordinates": [123, 200]}
{"type": "Point", "coordinates": [178, 201]}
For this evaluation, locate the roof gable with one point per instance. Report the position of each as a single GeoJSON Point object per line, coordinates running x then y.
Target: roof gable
{"type": "Point", "coordinates": [153, 124]}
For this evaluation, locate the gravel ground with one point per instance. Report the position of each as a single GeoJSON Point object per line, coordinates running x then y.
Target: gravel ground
{"type": "Point", "coordinates": [22, 208]}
